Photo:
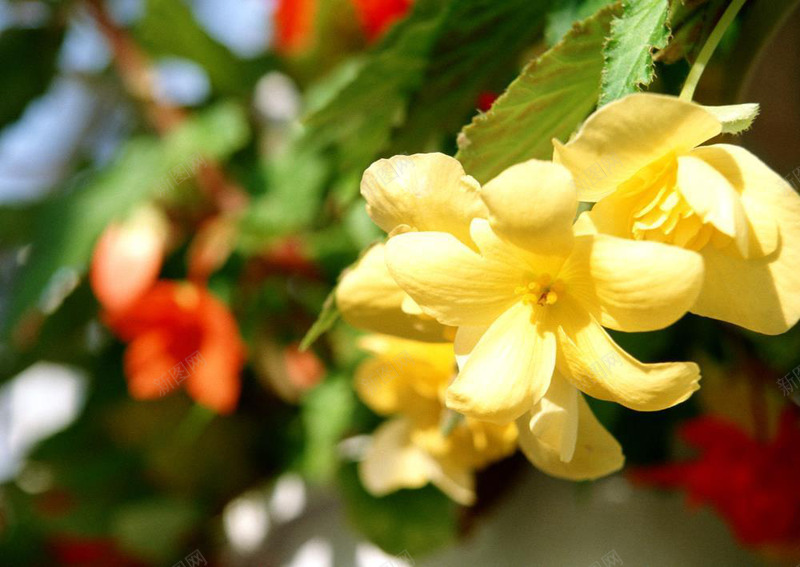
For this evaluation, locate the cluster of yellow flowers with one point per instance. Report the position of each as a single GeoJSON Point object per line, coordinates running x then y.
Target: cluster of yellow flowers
{"type": "Point", "coordinates": [495, 297]}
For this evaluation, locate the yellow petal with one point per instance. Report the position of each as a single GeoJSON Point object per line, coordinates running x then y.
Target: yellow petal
{"type": "Point", "coordinates": [368, 298]}
{"type": "Point", "coordinates": [450, 281]}
{"type": "Point", "coordinates": [404, 376]}
{"type": "Point", "coordinates": [466, 340]}
{"type": "Point", "coordinates": [759, 293]}
{"type": "Point", "coordinates": [749, 175]}
{"type": "Point", "coordinates": [427, 192]}
{"type": "Point", "coordinates": [509, 369]}
{"type": "Point", "coordinates": [596, 454]}
{"type": "Point", "coordinates": [392, 462]}
{"type": "Point", "coordinates": [596, 365]}
{"type": "Point", "coordinates": [554, 420]}
{"type": "Point", "coordinates": [632, 285]}
{"type": "Point", "coordinates": [712, 197]}
{"type": "Point", "coordinates": [455, 480]}
{"type": "Point", "coordinates": [626, 135]}
{"type": "Point", "coordinates": [495, 248]}
{"type": "Point", "coordinates": [533, 204]}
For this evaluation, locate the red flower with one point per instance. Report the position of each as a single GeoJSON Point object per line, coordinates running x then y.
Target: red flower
{"type": "Point", "coordinates": [294, 25]}
{"type": "Point", "coordinates": [178, 332]}
{"type": "Point", "coordinates": [486, 100]}
{"type": "Point", "coordinates": [81, 551]}
{"type": "Point", "coordinates": [752, 484]}
{"type": "Point", "coordinates": [376, 16]}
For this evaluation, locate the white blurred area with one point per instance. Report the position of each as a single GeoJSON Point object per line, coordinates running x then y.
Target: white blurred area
{"type": "Point", "coordinates": [294, 525]}
{"type": "Point", "coordinates": [35, 404]}
{"type": "Point", "coordinates": [541, 522]}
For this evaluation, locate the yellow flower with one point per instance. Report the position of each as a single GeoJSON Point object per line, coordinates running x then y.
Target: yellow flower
{"type": "Point", "coordinates": [367, 296]}
{"type": "Point", "coordinates": [638, 157]}
{"type": "Point", "coordinates": [528, 296]}
{"type": "Point", "coordinates": [406, 380]}
{"type": "Point", "coordinates": [528, 289]}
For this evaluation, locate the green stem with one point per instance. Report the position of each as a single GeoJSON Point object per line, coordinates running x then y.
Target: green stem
{"type": "Point", "coordinates": [708, 49]}
{"type": "Point", "coordinates": [194, 423]}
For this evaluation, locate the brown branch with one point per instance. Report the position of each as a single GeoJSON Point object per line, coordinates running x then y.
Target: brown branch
{"type": "Point", "coordinates": [135, 70]}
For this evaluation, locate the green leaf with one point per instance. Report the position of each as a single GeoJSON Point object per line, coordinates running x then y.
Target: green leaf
{"type": "Point", "coordinates": [629, 51]}
{"type": "Point", "coordinates": [423, 79]}
{"type": "Point", "coordinates": [414, 521]}
{"type": "Point", "coordinates": [153, 529]}
{"type": "Point", "coordinates": [27, 58]}
{"type": "Point", "coordinates": [326, 319]}
{"type": "Point", "coordinates": [550, 98]}
{"type": "Point", "coordinates": [691, 24]}
{"type": "Point", "coordinates": [295, 181]}
{"type": "Point", "coordinates": [561, 18]}
{"type": "Point", "coordinates": [169, 28]}
{"type": "Point", "coordinates": [359, 119]}
{"type": "Point", "coordinates": [465, 61]}
{"type": "Point", "coordinates": [327, 412]}
{"type": "Point", "coordinates": [68, 225]}
{"type": "Point", "coordinates": [16, 223]}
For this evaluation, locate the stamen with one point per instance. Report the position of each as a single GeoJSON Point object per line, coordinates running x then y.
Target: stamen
{"type": "Point", "coordinates": [541, 291]}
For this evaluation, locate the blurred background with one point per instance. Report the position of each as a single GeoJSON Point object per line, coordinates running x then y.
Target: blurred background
{"type": "Point", "coordinates": [224, 141]}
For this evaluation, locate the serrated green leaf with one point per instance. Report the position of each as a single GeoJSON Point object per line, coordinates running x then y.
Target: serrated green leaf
{"type": "Point", "coordinates": [550, 98]}
{"type": "Point", "coordinates": [68, 225]}
{"type": "Point", "coordinates": [449, 47]}
{"type": "Point", "coordinates": [629, 52]}
{"type": "Point", "coordinates": [565, 13]}
{"type": "Point", "coordinates": [326, 319]}
{"type": "Point", "coordinates": [691, 25]}
{"type": "Point", "coordinates": [465, 62]}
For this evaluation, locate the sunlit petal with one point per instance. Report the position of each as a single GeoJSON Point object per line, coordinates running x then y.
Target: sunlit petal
{"type": "Point", "coordinates": [628, 134]}
{"type": "Point", "coordinates": [509, 369]}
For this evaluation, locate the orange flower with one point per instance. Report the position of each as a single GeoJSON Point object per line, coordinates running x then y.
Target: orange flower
{"type": "Point", "coordinates": [294, 25]}
{"type": "Point", "coordinates": [178, 332]}
{"type": "Point", "coordinates": [377, 16]}
{"type": "Point", "coordinates": [127, 259]}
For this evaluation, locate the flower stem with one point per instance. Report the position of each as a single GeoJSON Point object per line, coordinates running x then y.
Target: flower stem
{"type": "Point", "coordinates": [708, 49]}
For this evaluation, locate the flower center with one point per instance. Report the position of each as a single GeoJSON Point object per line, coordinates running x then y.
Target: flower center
{"type": "Point", "coordinates": [660, 213]}
{"type": "Point", "coordinates": [541, 290]}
